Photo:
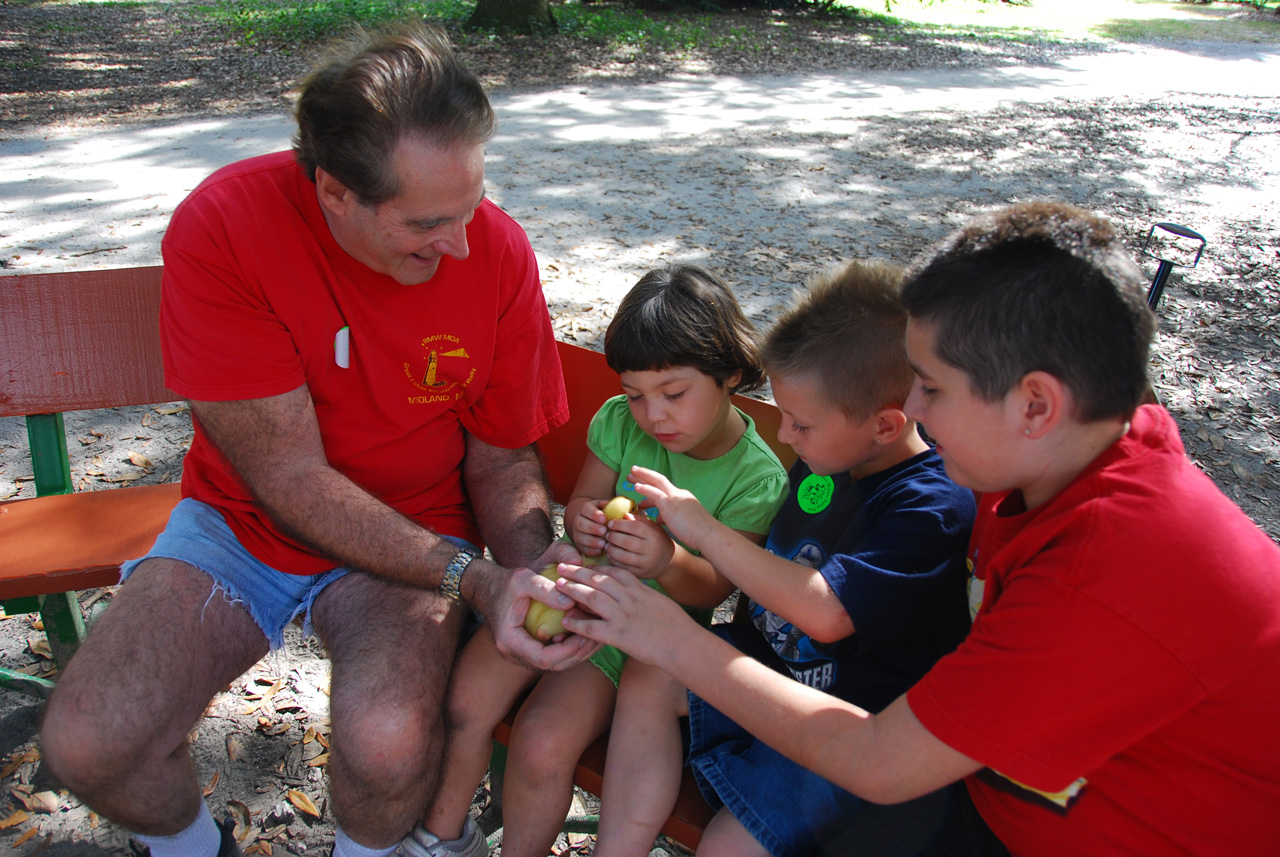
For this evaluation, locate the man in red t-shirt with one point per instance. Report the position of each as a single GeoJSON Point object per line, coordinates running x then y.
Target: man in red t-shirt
{"type": "Point", "coordinates": [369, 360]}
{"type": "Point", "coordinates": [1117, 693]}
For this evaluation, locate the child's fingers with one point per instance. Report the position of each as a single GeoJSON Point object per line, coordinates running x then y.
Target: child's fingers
{"type": "Point", "coordinates": [650, 479]}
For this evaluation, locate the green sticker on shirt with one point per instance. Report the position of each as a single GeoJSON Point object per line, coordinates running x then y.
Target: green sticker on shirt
{"type": "Point", "coordinates": [815, 493]}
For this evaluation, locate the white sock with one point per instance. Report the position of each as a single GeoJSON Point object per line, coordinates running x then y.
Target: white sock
{"type": "Point", "coordinates": [345, 846]}
{"type": "Point", "coordinates": [203, 838]}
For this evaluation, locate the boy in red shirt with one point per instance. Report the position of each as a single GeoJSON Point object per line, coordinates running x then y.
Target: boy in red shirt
{"type": "Point", "coordinates": [1118, 691]}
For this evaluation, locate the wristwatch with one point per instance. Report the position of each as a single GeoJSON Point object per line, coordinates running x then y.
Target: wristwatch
{"type": "Point", "coordinates": [453, 573]}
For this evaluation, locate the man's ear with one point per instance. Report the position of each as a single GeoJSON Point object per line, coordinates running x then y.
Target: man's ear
{"type": "Point", "coordinates": [889, 424]}
{"type": "Point", "coordinates": [334, 196]}
{"type": "Point", "coordinates": [1043, 403]}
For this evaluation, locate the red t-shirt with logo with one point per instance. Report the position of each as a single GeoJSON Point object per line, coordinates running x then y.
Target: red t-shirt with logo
{"type": "Point", "coordinates": [255, 292]}
{"type": "Point", "coordinates": [1122, 678]}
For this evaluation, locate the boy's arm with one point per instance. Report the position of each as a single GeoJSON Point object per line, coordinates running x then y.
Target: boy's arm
{"type": "Point", "coordinates": [885, 758]}
{"type": "Point", "coordinates": [796, 592]}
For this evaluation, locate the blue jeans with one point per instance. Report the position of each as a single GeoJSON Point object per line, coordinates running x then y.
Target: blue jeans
{"type": "Point", "coordinates": [197, 535]}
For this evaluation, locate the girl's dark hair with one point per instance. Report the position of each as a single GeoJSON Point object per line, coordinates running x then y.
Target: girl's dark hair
{"type": "Point", "coordinates": [684, 315]}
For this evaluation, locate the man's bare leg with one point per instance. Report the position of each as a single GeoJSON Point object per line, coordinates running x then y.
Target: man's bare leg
{"type": "Point", "coordinates": [392, 647]}
{"type": "Point", "coordinates": [115, 730]}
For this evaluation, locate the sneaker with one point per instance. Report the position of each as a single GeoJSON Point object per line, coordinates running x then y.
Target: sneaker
{"type": "Point", "coordinates": [229, 846]}
{"type": "Point", "coordinates": [424, 843]}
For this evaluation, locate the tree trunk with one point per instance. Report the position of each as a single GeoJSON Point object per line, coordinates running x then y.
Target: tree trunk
{"type": "Point", "coordinates": [527, 17]}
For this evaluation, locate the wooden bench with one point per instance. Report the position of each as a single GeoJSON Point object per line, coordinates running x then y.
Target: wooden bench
{"type": "Point", "coordinates": [90, 339]}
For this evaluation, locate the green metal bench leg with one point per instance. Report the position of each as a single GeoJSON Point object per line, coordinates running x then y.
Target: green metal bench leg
{"type": "Point", "coordinates": [25, 684]}
{"type": "Point", "coordinates": [63, 625]}
{"type": "Point", "coordinates": [63, 628]}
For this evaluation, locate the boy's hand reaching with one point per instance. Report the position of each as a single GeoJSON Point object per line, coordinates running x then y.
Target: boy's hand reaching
{"type": "Point", "coordinates": [681, 513]}
{"type": "Point", "coordinates": [625, 613]}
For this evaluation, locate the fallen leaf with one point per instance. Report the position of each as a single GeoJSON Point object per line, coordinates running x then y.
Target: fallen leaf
{"type": "Point", "coordinates": [170, 411]}
{"type": "Point", "coordinates": [213, 784]}
{"type": "Point", "coordinates": [126, 477]}
{"type": "Point", "coordinates": [242, 816]}
{"type": "Point", "coordinates": [18, 760]}
{"type": "Point", "coordinates": [24, 837]}
{"type": "Point", "coordinates": [319, 761]}
{"type": "Point", "coordinates": [235, 747]}
{"type": "Point", "coordinates": [14, 818]}
{"type": "Point", "coordinates": [40, 647]}
{"type": "Point", "coordinates": [45, 801]}
{"type": "Point", "coordinates": [140, 460]}
{"type": "Point", "coordinates": [278, 830]}
{"type": "Point", "coordinates": [302, 802]}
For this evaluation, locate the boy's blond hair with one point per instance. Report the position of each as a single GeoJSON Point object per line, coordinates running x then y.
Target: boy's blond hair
{"type": "Point", "coordinates": [846, 333]}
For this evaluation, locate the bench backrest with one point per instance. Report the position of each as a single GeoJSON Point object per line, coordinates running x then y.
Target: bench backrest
{"type": "Point", "coordinates": [90, 339]}
{"type": "Point", "coordinates": [81, 340]}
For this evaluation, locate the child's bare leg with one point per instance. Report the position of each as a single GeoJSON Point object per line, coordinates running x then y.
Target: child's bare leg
{"type": "Point", "coordinates": [726, 837]}
{"type": "Point", "coordinates": [483, 687]}
{"type": "Point", "coordinates": [565, 712]}
{"type": "Point", "coordinates": [643, 768]}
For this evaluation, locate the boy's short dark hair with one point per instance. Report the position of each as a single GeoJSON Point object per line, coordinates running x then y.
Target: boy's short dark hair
{"type": "Point", "coordinates": [1038, 286]}
{"type": "Point", "coordinates": [846, 334]}
{"type": "Point", "coordinates": [684, 315]}
{"type": "Point", "coordinates": [377, 89]}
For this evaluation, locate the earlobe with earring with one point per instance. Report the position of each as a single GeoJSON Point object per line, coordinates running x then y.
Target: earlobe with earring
{"type": "Point", "coordinates": [1027, 431]}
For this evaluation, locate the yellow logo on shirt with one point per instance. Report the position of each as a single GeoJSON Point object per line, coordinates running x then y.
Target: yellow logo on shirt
{"type": "Point", "coordinates": [437, 372]}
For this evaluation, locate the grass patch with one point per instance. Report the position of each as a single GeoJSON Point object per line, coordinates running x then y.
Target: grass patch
{"type": "Point", "coordinates": [311, 21]}
{"type": "Point", "coordinates": [619, 26]}
{"type": "Point", "coordinates": [293, 23]}
{"type": "Point", "coordinates": [1084, 20]}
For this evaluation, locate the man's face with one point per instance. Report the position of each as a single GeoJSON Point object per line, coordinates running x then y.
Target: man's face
{"type": "Point", "coordinates": [406, 236]}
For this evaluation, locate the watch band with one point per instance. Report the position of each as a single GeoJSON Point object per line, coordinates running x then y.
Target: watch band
{"type": "Point", "coordinates": [450, 585]}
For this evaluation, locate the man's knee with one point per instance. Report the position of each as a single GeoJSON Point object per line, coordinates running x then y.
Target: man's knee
{"type": "Point", "coordinates": [389, 746]}
{"type": "Point", "coordinates": [78, 749]}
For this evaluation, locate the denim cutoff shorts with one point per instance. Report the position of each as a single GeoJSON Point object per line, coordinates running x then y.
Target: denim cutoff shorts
{"type": "Point", "coordinates": [197, 535]}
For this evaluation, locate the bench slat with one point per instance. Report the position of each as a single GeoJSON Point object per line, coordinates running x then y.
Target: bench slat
{"type": "Point", "coordinates": [65, 542]}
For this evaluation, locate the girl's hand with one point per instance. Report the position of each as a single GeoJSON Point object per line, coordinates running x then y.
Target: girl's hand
{"type": "Point", "coordinates": [588, 530]}
{"type": "Point", "coordinates": [640, 546]}
{"type": "Point", "coordinates": [625, 613]}
{"type": "Point", "coordinates": [678, 509]}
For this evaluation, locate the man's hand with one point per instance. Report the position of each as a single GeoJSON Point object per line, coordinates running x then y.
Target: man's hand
{"type": "Point", "coordinates": [507, 623]}
{"type": "Point", "coordinates": [678, 510]}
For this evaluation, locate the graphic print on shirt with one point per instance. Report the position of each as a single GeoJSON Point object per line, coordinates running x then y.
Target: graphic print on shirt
{"type": "Point", "coordinates": [977, 587]}
{"type": "Point", "coordinates": [442, 371]}
{"type": "Point", "coordinates": [804, 658]}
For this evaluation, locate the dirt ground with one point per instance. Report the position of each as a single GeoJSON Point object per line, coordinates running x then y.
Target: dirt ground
{"type": "Point", "coordinates": [769, 205]}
